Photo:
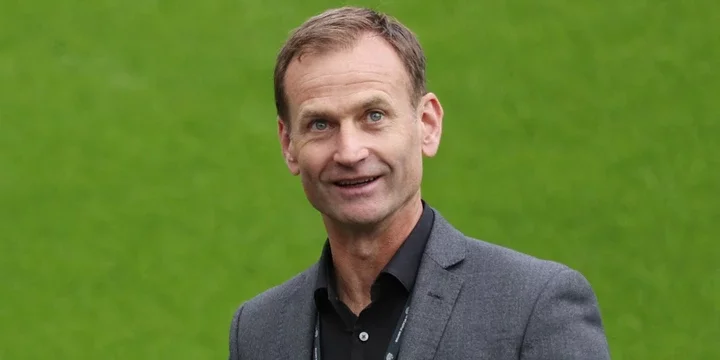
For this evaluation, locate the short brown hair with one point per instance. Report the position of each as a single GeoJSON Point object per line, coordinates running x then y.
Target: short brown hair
{"type": "Point", "coordinates": [340, 28]}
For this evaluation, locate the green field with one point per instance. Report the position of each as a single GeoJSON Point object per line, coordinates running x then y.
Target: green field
{"type": "Point", "coordinates": [143, 196]}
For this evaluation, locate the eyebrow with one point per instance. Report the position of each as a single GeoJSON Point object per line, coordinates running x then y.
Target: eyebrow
{"type": "Point", "coordinates": [373, 102]}
{"type": "Point", "coordinates": [313, 114]}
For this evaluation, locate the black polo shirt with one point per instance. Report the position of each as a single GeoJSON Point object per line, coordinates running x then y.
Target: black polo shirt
{"type": "Point", "coordinates": [345, 336]}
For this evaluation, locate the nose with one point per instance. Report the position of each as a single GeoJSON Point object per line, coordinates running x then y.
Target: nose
{"type": "Point", "coordinates": [351, 146]}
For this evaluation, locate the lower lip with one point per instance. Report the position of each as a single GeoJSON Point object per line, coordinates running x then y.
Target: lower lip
{"type": "Point", "coordinates": [357, 190]}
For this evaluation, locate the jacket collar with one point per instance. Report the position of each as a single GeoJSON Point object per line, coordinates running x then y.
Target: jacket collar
{"type": "Point", "coordinates": [434, 295]}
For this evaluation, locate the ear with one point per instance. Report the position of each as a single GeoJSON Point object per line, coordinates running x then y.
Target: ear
{"type": "Point", "coordinates": [431, 117]}
{"type": "Point", "coordinates": [287, 147]}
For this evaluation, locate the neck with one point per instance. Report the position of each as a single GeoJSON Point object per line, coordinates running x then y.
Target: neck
{"type": "Point", "coordinates": [360, 256]}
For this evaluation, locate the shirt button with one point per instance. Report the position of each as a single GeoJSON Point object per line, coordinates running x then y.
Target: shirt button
{"type": "Point", "coordinates": [364, 336]}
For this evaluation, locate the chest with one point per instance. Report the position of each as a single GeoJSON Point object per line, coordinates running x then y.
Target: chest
{"type": "Point", "coordinates": [371, 334]}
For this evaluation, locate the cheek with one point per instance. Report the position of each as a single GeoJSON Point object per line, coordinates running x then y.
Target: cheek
{"type": "Point", "coordinates": [311, 162]}
{"type": "Point", "coordinates": [406, 149]}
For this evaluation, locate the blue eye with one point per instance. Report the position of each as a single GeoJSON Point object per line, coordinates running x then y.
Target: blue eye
{"type": "Point", "coordinates": [375, 116]}
{"type": "Point", "coordinates": [319, 125]}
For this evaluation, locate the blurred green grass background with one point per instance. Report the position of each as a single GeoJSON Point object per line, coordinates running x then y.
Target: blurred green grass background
{"type": "Point", "coordinates": [143, 196]}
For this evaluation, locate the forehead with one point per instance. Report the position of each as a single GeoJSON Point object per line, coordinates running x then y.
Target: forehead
{"type": "Point", "coordinates": [370, 69]}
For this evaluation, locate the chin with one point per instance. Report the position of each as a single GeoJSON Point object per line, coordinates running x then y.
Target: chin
{"type": "Point", "coordinates": [356, 214]}
{"type": "Point", "coordinates": [356, 220]}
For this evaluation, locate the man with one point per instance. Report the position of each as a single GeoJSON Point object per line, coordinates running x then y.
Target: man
{"type": "Point", "coordinates": [395, 279]}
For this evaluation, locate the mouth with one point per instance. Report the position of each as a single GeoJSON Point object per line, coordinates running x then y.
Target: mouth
{"type": "Point", "coordinates": [358, 182]}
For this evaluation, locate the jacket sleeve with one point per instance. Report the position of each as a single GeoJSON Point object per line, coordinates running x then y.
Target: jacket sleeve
{"type": "Point", "coordinates": [565, 322]}
{"type": "Point", "coordinates": [234, 353]}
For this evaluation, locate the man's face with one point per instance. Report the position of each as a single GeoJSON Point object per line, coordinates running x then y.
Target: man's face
{"type": "Point", "coordinates": [353, 135]}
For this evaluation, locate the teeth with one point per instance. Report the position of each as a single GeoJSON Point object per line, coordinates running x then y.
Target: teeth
{"type": "Point", "coordinates": [356, 182]}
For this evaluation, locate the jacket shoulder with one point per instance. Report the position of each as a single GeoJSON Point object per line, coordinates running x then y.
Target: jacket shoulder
{"type": "Point", "coordinates": [483, 258]}
{"type": "Point", "coordinates": [274, 298]}
{"type": "Point", "coordinates": [544, 309]}
{"type": "Point", "coordinates": [258, 316]}
{"type": "Point", "coordinates": [503, 259]}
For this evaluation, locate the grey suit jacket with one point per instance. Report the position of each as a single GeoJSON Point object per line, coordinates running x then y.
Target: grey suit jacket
{"type": "Point", "coordinates": [472, 300]}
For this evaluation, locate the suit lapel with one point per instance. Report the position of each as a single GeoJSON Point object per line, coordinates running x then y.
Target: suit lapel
{"type": "Point", "coordinates": [435, 293]}
{"type": "Point", "coordinates": [297, 322]}
{"type": "Point", "coordinates": [434, 296]}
